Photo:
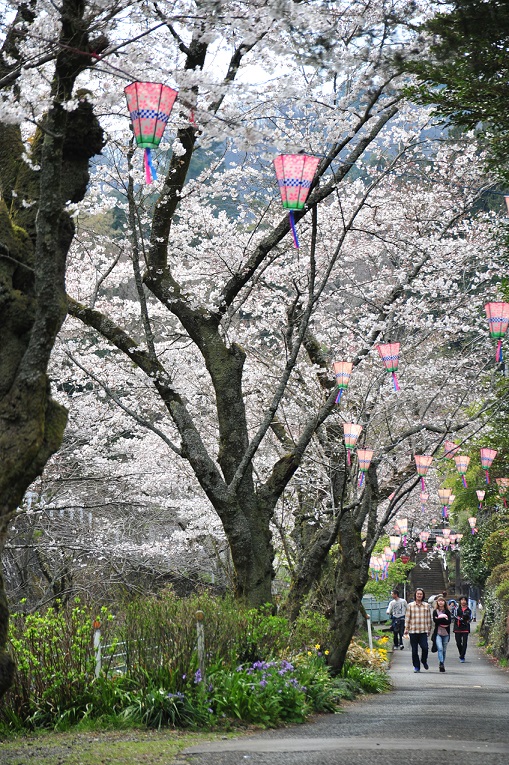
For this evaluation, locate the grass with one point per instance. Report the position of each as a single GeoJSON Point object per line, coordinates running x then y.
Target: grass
{"type": "Point", "coordinates": [132, 747]}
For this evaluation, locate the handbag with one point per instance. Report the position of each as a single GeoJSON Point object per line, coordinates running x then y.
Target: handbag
{"type": "Point", "coordinates": [434, 648]}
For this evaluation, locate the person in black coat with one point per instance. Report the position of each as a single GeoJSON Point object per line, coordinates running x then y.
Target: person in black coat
{"type": "Point", "coordinates": [462, 627]}
{"type": "Point", "coordinates": [442, 633]}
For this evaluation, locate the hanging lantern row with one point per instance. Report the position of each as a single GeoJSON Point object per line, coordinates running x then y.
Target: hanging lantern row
{"type": "Point", "coordinates": [295, 174]}
{"type": "Point", "coordinates": [498, 321]}
{"type": "Point", "coordinates": [389, 353]}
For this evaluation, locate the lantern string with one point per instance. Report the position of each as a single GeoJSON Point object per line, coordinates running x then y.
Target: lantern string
{"type": "Point", "coordinates": [487, 477]}
{"type": "Point", "coordinates": [338, 397]}
{"type": "Point", "coordinates": [395, 381]}
{"type": "Point", "coordinates": [150, 171]}
{"type": "Point", "coordinates": [294, 230]}
{"type": "Point", "coordinates": [348, 460]}
{"type": "Point", "coordinates": [463, 479]}
{"type": "Point", "coordinates": [498, 356]}
{"type": "Point", "coordinates": [361, 479]}
{"type": "Point", "coordinates": [423, 486]}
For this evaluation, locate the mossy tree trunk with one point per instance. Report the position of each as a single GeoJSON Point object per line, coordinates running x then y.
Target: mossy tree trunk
{"type": "Point", "coordinates": [35, 236]}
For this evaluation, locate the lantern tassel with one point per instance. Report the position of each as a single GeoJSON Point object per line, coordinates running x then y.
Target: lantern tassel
{"type": "Point", "coordinates": [498, 355]}
{"type": "Point", "coordinates": [348, 460]}
{"type": "Point", "coordinates": [487, 477]}
{"type": "Point", "coordinates": [464, 481]}
{"type": "Point", "coordinates": [395, 381]}
{"type": "Point", "coordinates": [150, 171]}
{"type": "Point", "coordinates": [423, 487]}
{"type": "Point", "coordinates": [338, 397]}
{"type": "Point", "coordinates": [361, 479]}
{"type": "Point", "coordinates": [294, 230]}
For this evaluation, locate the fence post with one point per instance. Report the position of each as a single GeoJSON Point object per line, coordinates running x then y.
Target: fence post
{"type": "Point", "coordinates": [370, 635]}
{"type": "Point", "coordinates": [97, 647]}
{"type": "Point", "coordinates": [200, 633]}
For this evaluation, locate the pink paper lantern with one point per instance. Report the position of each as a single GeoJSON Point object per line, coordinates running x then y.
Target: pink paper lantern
{"type": "Point", "coordinates": [498, 321]}
{"type": "Point", "coordinates": [343, 372]}
{"type": "Point", "coordinates": [389, 353]}
{"type": "Point", "coordinates": [150, 105]}
{"type": "Point", "coordinates": [480, 497]}
{"type": "Point", "coordinates": [351, 433]}
{"type": "Point", "coordinates": [364, 457]}
{"type": "Point", "coordinates": [450, 449]}
{"type": "Point", "coordinates": [487, 457]}
{"type": "Point", "coordinates": [462, 461]}
{"type": "Point", "coordinates": [295, 174]}
{"type": "Point", "coordinates": [423, 464]}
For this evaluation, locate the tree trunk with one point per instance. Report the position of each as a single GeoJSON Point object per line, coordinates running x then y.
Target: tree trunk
{"type": "Point", "coordinates": [351, 578]}
{"type": "Point", "coordinates": [33, 255]}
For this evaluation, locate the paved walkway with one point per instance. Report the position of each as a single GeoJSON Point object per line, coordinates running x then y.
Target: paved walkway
{"type": "Point", "coordinates": [460, 716]}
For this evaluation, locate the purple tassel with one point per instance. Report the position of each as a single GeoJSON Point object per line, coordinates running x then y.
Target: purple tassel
{"type": "Point", "coordinates": [395, 381]}
{"type": "Point", "coordinates": [361, 479]}
{"type": "Point", "coordinates": [150, 171]}
{"type": "Point", "coordinates": [498, 356]}
{"type": "Point", "coordinates": [464, 481]}
{"type": "Point", "coordinates": [338, 397]}
{"type": "Point", "coordinates": [487, 477]}
{"type": "Point", "coordinates": [294, 230]}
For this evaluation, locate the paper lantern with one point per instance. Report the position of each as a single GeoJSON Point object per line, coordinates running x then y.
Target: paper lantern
{"type": "Point", "coordinates": [498, 321]}
{"type": "Point", "coordinates": [507, 204]}
{"type": "Point", "coordinates": [424, 536]}
{"type": "Point", "coordinates": [419, 546]}
{"type": "Point", "coordinates": [472, 521]}
{"type": "Point", "coordinates": [150, 105]}
{"type": "Point", "coordinates": [450, 449]}
{"type": "Point", "coordinates": [423, 496]}
{"type": "Point", "coordinates": [351, 434]}
{"type": "Point", "coordinates": [394, 542]}
{"type": "Point", "coordinates": [423, 464]}
{"type": "Point", "coordinates": [480, 497]}
{"type": "Point", "coordinates": [389, 353]}
{"type": "Point", "coordinates": [487, 457]}
{"type": "Point", "coordinates": [403, 527]}
{"type": "Point", "coordinates": [295, 174]}
{"type": "Point", "coordinates": [364, 457]}
{"type": "Point", "coordinates": [444, 496]}
{"type": "Point", "coordinates": [343, 372]}
{"type": "Point", "coordinates": [462, 461]}
{"type": "Point", "coordinates": [503, 485]}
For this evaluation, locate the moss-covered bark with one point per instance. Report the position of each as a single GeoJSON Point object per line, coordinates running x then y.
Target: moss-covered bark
{"type": "Point", "coordinates": [35, 235]}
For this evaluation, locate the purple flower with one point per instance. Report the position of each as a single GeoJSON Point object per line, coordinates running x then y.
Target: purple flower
{"type": "Point", "coordinates": [197, 676]}
{"type": "Point", "coordinates": [263, 683]}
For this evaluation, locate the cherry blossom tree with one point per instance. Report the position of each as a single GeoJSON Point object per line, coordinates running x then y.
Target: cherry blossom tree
{"type": "Point", "coordinates": [196, 321]}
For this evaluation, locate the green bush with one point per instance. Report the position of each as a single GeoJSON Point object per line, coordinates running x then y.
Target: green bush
{"type": "Point", "coordinates": [150, 676]}
{"type": "Point", "coordinates": [494, 550]}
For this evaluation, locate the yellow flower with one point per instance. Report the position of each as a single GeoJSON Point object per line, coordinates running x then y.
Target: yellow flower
{"type": "Point", "coordinates": [317, 647]}
{"type": "Point", "coordinates": [309, 653]}
{"type": "Point", "coordinates": [326, 653]}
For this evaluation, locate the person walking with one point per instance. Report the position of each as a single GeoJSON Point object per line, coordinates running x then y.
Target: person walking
{"type": "Point", "coordinates": [396, 610]}
{"type": "Point", "coordinates": [418, 627]}
{"type": "Point", "coordinates": [461, 627]}
{"type": "Point", "coordinates": [442, 633]}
